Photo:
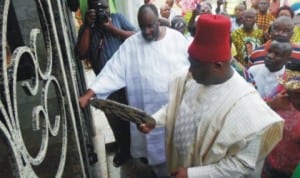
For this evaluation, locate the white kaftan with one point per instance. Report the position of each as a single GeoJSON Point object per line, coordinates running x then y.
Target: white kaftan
{"type": "Point", "coordinates": [145, 69]}
{"type": "Point", "coordinates": [265, 81]}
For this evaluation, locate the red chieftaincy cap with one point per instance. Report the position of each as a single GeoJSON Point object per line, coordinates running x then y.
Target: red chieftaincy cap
{"type": "Point", "coordinates": [212, 39]}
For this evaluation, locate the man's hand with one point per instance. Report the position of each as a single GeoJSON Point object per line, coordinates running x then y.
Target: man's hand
{"type": "Point", "coordinates": [145, 128]}
{"type": "Point", "coordinates": [109, 25]}
{"type": "Point", "coordinates": [280, 101]}
{"type": "Point", "coordinates": [180, 173]}
{"type": "Point", "coordinates": [266, 36]}
{"type": "Point", "coordinates": [85, 99]}
{"type": "Point", "coordinates": [90, 18]}
{"type": "Point", "coordinates": [118, 32]}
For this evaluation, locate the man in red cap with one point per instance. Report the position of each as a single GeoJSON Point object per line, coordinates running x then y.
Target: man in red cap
{"type": "Point", "coordinates": [211, 132]}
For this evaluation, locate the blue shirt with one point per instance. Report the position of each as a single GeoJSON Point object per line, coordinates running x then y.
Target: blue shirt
{"type": "Point", "coordinates": [103, 43]}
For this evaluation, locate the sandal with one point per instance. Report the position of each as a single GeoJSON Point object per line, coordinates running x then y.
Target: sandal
{"type": "Point", "coordinates": [120, 159]}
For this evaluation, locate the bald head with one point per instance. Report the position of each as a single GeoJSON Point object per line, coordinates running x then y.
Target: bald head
{"type": "Point", "coordinates": [282, 29]}
{"type": "Point", "coordinates": [165, 11]}
{"type": "Point", "coordinates": [251, 11]}
{"type": "Point", "coordinates": [286, 21]}
{"type": "Point", "coordinates": [149, 22]}
{"type": "Point", "coordinates": [239, 10]}
{"type": "Point", "coordinates": [240, 6]}
{"type": "Point", "coordinates": [281, 47]}
{"type": "Point", "coordinates": [249, 19]}
{"type": "Point", "coordinates": [278, 55]}
{"type": "Point", "coordinates": [147, 8]}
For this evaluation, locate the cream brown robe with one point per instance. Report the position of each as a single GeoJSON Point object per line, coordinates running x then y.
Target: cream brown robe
{"type": "Point", "coordinates": [239, 131]}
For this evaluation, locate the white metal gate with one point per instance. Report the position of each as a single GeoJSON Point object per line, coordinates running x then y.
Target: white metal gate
{"type": "Point", "coordinates": [43, 132]}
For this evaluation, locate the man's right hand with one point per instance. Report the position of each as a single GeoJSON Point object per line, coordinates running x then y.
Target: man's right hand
{"type": "Point", "coordinates": [145, 128]}
{"type": "Point", "coordinates": [84, 100]}
{"type": "Point", "coordinates": [280, 101]}
{"type": "Point", "coordinates": [90, 18]}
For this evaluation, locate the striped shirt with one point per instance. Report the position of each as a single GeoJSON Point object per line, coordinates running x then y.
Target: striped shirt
{"type": "Point", "coordinates": [258, 55]}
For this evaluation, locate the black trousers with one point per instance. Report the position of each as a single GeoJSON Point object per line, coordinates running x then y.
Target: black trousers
{"type": "Point", "coordinates": [120, 128]}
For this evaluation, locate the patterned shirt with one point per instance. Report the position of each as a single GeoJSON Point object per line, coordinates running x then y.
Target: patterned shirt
{"type": "Point", "coordinates": [296, 36]}
{"type": "Point", "coordinates": [263, 21]}
{"type": "Point", "coordinates": [195, 105]}
{"type": "Point", "coordinates": [245, 43]}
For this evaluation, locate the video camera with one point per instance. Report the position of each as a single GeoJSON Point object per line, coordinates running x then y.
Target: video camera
{"type": "Point", "coordinates": [101, 14]}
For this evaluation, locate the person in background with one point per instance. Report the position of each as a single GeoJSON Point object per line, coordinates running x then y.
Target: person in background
{"type": "Point", "coordinates": [281, 30]}
{"type": "Point", "coordinates": [287, 11]}
{"type": "Point", "coordinates": [144, 64]}
{"type": "Point", "coordinates": [211, 132]}
{"type": "Point", "coordinates": [165, 11]}
{"type": "Point", "coordinates": [178, 23]}
{"type": "Point", "coordinates": [192, 22]}
{"type": "Point", "coordinates": [101, 34]}
{"type": "Point", "coordinates": [264, 18]}
{"type": "Point", "coordinates": [98, 39]}
{"type": "Point", "coordinates": [283, 159]}
{"type": "Point", "coordinates": [266, 75]}
{"type": "Point", "coordinates": [205, 7]}
{"type": "Point", "coordinates": [274, 5]}
{"type": "Point", "coordinates": [223, 9]}
{"type": "Point", "coordinates": [174, 10]}
{"type": "Point", "coordinates": [237, 19]}
{"type": "Point", "coordinates": [202, 8]}
{"type": "Point", "coordinates": [254, 4]}
{"type": "Point", "coordinates": [247, 33]}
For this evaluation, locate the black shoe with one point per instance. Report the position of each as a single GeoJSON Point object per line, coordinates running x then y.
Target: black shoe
{"type": "Point", "coordinates": [120, 159]}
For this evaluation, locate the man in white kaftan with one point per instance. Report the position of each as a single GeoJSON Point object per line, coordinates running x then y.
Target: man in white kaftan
{"type": "Point", "coordinates": [144, 67]}
{"type": "Point", "coordinates": [266, 75]}
{"type": "Point", "coordinates": [210, 130]}
{"type": "Point", "coordinates": [266, 81]}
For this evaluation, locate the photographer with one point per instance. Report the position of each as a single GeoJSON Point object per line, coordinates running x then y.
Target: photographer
{"type": "Point", "coordinates": [101, 34]}
{"type": "Point", "coordinates": [99, 37]}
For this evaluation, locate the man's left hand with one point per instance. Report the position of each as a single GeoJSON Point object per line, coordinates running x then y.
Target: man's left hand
{"type": "Point", "coordinates": [109, 25]}
{"type": "Point", "coordinates": [180, 173]}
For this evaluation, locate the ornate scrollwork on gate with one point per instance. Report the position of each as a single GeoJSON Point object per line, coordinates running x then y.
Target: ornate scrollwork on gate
{"type": "Point", "coordinates": [39, 134]}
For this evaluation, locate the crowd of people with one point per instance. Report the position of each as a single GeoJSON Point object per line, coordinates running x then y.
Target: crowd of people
{"type": "Point", "coordinates": [224, 89]}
